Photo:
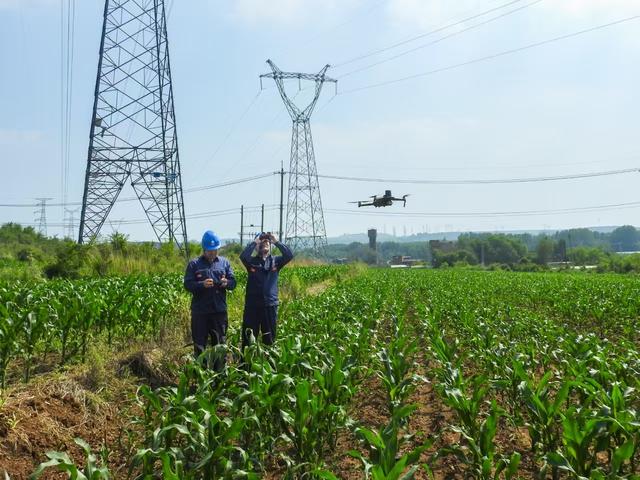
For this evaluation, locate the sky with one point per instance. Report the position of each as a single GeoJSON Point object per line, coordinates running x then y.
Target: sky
{"type": "Point", "coordinates": [561, 108]}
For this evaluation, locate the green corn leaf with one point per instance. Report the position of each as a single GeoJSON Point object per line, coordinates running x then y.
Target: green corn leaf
{"type": "Point", "coordinates": [371, 437]}
{"type": "Point", "coordinates": [621, 454]}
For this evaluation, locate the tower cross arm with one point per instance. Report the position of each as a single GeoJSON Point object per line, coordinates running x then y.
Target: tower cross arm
{"type": "Point", "coordinates": [315, 77]}
{"type": "Point", "coordinates": [278, 74]}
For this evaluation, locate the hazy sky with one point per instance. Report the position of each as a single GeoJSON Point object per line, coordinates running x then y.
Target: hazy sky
{"type": "Point", "coordinates": [563, 108]}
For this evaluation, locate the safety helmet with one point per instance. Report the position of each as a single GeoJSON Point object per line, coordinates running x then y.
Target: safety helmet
{"type": "Point", "coordinates": [210, 241]}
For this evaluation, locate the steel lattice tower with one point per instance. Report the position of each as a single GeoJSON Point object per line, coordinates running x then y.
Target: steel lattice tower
{"type": "Point", "coordinates": [305, 219]}
{"type": "Point", "coordinates": [133, 128]}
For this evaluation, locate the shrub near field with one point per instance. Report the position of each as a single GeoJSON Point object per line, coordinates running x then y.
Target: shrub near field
{"type": "Point", "coordinates": [484, 374]}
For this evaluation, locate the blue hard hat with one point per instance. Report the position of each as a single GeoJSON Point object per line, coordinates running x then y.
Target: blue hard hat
{"type": "Point", "coordinates": [210, 241]}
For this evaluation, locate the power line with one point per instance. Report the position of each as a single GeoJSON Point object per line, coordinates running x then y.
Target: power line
{"type": "Point", "coordinates": [523, 213]}
{"type": "Point", "coordinates": [441, 39]}
{"type": "Point", "coordinates": [423, 35]}
{"type": "Point", "coordinates": [368, 179]}
{"type": "Point", "coordinates": [483, 181]}
{"type": "Point", "coordinates": [230, 182]}
{"type": "Point", "coordinates": [493, 56]}
{"type": "Point", "coordinates": [132, 199]}
{"type": "Point", "coordinates": [200, 215]}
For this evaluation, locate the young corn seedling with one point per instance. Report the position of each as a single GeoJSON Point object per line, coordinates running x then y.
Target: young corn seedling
{"type": "Point", "coordinates": [478, 452]}
{"type": "Point", "coordinates": [9, 339]}
{"type": "Point", "coordinates": [307, 425]}
{"type": "Point", "coordinates": [545, 412]}
{"type": "Point", "coordinates": [384, 460]}
{"type": "Point", "coordinates": [396, 362]}
{"type": "Point", "coordinates": [63, 463]}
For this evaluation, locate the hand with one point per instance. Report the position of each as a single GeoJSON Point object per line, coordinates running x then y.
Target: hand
{"type": "Point", "coordinates": [208, 283]}
{"type": "Point", "coordinates": [224, 282]}
{"type": "Point", "coordinates": [274, 239]}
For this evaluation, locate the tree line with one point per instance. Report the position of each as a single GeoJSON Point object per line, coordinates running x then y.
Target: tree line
{"type": "Point", "coordinates": [580, 246]}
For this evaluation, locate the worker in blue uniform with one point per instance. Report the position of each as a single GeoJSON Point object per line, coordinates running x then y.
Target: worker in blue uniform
{"type": "Point", "coordinates": [208, 278]}
{"type": "Point", "coordinates": [261, 300]}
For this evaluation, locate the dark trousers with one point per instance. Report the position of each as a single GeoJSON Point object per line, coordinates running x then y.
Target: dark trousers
{"type": "Point", "coordinates": [261, 321]}
{"type": "Point", "coordinates": [211, 327]}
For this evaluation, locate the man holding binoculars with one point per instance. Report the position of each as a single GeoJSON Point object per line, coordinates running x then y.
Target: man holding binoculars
{"type": "Point", "coordinates": [261, 300]}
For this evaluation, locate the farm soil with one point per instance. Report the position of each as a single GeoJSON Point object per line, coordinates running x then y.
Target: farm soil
{"type": "Point", "coordinates": [48, 415]}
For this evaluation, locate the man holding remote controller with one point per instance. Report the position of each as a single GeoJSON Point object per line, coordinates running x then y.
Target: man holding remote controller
{"type": "Point", "coordinates": [208, 278]}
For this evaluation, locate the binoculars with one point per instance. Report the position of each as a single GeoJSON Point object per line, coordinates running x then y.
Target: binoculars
{"type": "Point", "coordinates": [265, 236]}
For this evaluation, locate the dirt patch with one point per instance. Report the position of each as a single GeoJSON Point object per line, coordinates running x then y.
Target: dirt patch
{"type": "Point", "coordinates": [47, 416]}
{"type": "Point", "coordinates": [151, 366]}
{"type": "Point", "coordinates": [318, 288]}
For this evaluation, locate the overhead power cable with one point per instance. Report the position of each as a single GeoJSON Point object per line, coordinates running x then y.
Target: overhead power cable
{"type": "Point", "coordinates": [492, 56]}
{"type": "Point", "coordinates": [374, 180]}
{"type": "Point", "coordinates": [482, 181]}
{"type": "Point", "coordinates": [132, 199]}
{"type": "Point", "coordinates": [523, 213]}
{"type": "Point", "coordinates": [213, 213]}
{"type": "Point", "coordinates": [230, 182]}
{"type": "Point", "coordinates": [423, 35]}
{"type": "Point", "coordinates": [438, 40]}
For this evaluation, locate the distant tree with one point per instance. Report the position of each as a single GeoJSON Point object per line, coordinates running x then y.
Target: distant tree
{"type": "Point", "coordinates": [495, 248]}
{"type": "Point", "coordinates": [560, 250]}
{"type": "Point", "coordinates": [625, 238]}
{"type": "Point", "coordinates": [586, 255]}
{"type": "Point", "coordinates": [119, 242]}
{"type": "Point", "coordinates": [544, 250]}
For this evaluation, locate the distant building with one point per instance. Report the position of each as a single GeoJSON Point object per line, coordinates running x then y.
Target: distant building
{"type": "Point", "coordinates": [405, 261]}
{"type": "Point", "coordinates": [372, 233]}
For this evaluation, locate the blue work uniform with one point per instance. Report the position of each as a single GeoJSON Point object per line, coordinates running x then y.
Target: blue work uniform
{"type": "Point", "coordinates": [261, 299]}
{"type": "Point", "coordinates": [209, 318]}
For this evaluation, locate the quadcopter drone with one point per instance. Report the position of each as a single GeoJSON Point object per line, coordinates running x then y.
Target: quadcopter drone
{"type": "Point", "coordinates": [384, 201]}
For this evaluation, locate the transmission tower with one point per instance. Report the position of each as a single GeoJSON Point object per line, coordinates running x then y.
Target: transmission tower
{"type": "Point", "coordinates": [133, 128]}
{"type": "Point", "coordinates": [305, 220]}
{"type": "Point", "coordinates": [69, 222]}
{"type": "Point", "coordinates": [41, 215]}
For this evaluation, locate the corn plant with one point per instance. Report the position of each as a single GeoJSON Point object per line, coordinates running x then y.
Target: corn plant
{"type": "Point", "coordinates": [185, 434]}
{"type": "Point", "coordinates": [9, 340]}
{"type": "Point", "coordinates": [63, 463]}
{"type": "Point", "coordinates": [478, 450]}
{"type": "Point", "coordinates": [397, 365]}
{"type": "Point", "coordinates": [384, 460]}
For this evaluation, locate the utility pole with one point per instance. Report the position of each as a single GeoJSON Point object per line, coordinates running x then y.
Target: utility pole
{"type": "Point", "coordinates": [41, 215]}
{"type": "Point", "coordinates": [241, 225]}
{"type": "Point", "coordinates": [305, 219]}
{"type": "Point", "coordinates": [281, 202]}
{"type": "Point", "coordinates": [133, 126]}
{"type": "Point", "coordinates": [262, 218]}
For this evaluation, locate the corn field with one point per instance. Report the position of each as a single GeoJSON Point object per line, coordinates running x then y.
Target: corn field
{"type": "Point", "coordinates": [528, 376]}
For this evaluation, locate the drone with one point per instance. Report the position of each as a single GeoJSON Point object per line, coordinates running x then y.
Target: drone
{"type": "Point", "coordinates": [384, 201]}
